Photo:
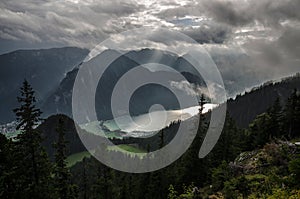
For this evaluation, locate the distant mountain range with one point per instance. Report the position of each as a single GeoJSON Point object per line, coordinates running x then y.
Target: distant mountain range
{"type": "Point", "coordinates": [60, 100]}
{"type": "Point", "coordinates": [52, 74]}
{"type": "Point", "coordinates": [143, 98]}
{"type": "Point", "coordinates": [44, 69]}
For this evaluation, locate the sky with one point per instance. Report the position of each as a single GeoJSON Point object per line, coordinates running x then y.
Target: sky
{"type": "Point", "coordinates": [267, 31]}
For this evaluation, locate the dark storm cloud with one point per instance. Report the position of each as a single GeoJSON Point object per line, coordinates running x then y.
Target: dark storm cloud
{"type": "Point", "coordinates": [290, 42]}
{"type": "Point", "coordinates": [67, 22]}
{"type": "Point", "coordinates": [266, 31]}
{"type": "Point", "coordinates": [227, 12]}
{"type": "Point", "coordinates": [273, 51]}
{"type": "Point", "coordinates": [217, 34]}
{"type": "Point", "coordinates": [281, 56]}
{"type": "Point", "coordinates": [239, 13]}
{"type": "Point", "coordinates": [212, 34]}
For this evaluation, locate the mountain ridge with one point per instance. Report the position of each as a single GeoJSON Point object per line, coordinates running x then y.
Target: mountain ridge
{"type": "Point", "coordinates": [43, 69]}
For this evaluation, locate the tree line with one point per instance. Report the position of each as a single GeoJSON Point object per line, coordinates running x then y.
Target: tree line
{"type": "Point", "coordinates": [27, 172]}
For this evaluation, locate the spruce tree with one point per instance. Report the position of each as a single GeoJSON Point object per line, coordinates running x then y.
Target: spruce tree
{"type": "Point", "coordinates": [8, 173]}
{"type": "Point", "coordinates": [194, 169]}
{"type": "Point", "coordinates": [292, 115]}
{"type": "Point", "coordinates": [276, 117]}
{"type": "Point", "coordinates": [259, 129]}
{"type": "Point", "coordinates": [162, 139]}
{"type": "Point", "coordinates": [227, 147]}
{"type": "Point", "coordinates": [33, 165]}
{"type": "Point", "coordinates": [62, 183]}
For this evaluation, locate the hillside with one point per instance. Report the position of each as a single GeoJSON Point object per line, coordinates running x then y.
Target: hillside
{"type": "Point", "coordinates": [60, 100]}
{"type": "Point", "coordinates": [267, 172]}
{"type": "Point", "coordinates": [244, 108]}
{"type": "Point", "coordinates": [254, 161]}
{"type": "Point", "coordinates": [260, 161]}
{"type": "Point", "coordinates": [43, 69]}
{"type": "Point", "coordinates": [48, 130]}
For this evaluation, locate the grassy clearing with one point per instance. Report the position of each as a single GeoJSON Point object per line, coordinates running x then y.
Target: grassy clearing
{"type": "Point", "coordinates": [126, 147]}
{"type": "Point", "coordinates": [77, 157]}
{"type": "Point", "coordinates": [12, 135]}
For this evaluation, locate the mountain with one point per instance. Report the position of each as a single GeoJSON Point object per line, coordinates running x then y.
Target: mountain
{"type": "Point", "coordinates": [73, 135]}
{"type": "Point", "coordinates": [60, 100]}
{"type": "Point", "coordinates": [50, 135]}
{"type": "Point", "coordinates": [44, 69]}
{"type": "Point", "coordinates": [244, 108]}
{"type": "Point", "coordinates": [235, 80]}
{"type": "Point", "coordinates": [237, 75]}
{"type": "Point", "coordinates": [147, 55]}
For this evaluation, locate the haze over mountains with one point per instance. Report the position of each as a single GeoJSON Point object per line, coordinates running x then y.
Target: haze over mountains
{"type": "Point", "coordinates": [52, 74]}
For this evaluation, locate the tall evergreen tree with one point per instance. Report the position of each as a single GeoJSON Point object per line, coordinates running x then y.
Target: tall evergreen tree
{"type": "Point", "coordinates": [162, 139]}
{"type": "Point", "coordinates": [34, 168]}
{"type": "Point", "coordinates": [260, 132]}
{"type": "Point", "coordinates": [275, 113]}
{"type": "Point", "coordinates": [8, 174]}
{"type": "Point", "coordinates": [292, 115]}
{"type": "Point", "coordinates": [62, 183]}
{"type": "Point", "coordinates": [84, 180]}
{"type": "Point", "coordinates": [194, 169]}
{"type": "Point", "coordinates": [228, 146]}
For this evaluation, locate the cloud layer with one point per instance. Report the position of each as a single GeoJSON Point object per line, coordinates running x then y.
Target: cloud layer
{"type": "Point", "coordinates": [265, 31]}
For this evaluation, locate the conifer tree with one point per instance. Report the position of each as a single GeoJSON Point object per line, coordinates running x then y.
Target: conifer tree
{"type": "Point", "coordinates": [62, 183]}
{"type": "Point", "coordinates": [292, 114]}
{"type": "Point", "coordinates": [8, 175]}
{"type": "Point", "coordinates": [260, 130]}
{"type": "Point", "coordinates": [194, 169]}
{"type": "Point", "coordinates": [34, 166]}
{"type": "Point", "coordinates": [276, 117]}
{"type": "Point", "coordinates": [162, 139]}
{"type": "Point", "coordinates": [227, 147]}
